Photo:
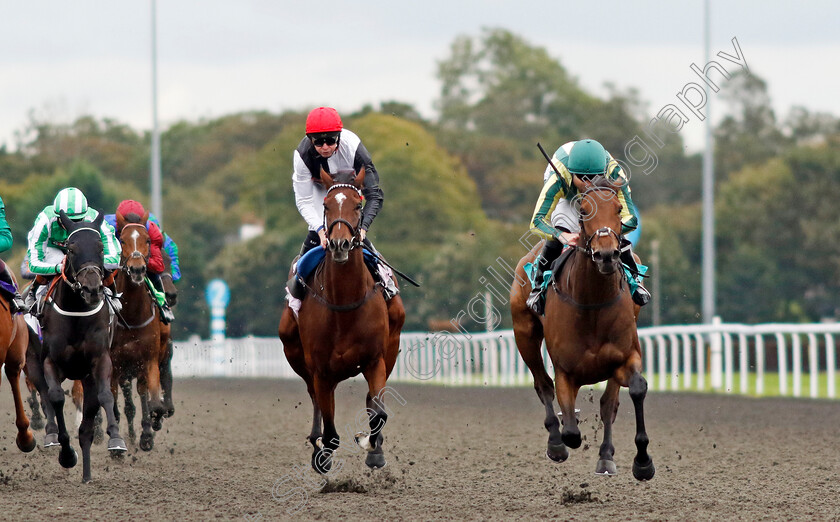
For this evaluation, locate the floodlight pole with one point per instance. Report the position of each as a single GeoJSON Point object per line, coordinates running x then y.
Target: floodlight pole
{"type": "Point", "coordinates": [708, 200]}
{"type": "Point", "coordinates": [157, 203]}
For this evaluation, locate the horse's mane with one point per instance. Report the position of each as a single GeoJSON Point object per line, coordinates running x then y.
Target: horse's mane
{"type": "Point", "coordinates": [131, 217]}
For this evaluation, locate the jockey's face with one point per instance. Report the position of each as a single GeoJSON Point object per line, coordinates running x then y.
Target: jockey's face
{"type": "Point", "coordinates": [326, 150]}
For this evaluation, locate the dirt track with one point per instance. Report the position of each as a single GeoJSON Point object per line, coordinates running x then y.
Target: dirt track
{"type": "Point", "coordinates": [453, 453]}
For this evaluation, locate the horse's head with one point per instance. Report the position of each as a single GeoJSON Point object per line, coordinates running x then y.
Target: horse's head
{"type": "Point", "coordinates": [600, 221]}
{"type": "Point", "coordinates": [343, 211]}
{"type": "Point", "coordinates": [84, 267]}
{"type": "Point", "coordinates": [136, 245]}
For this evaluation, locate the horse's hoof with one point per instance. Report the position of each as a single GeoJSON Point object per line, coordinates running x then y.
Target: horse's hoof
{"type": "Point", "coordinates": [571, 439]}
{"type": "Point", "coordinates": [25, 441]}
{"type": "Point", "coordinates": [157, 423]}
{"type": "Point", "coordinates": [36, 423]}
{"type": "Point", "coordinates": [558, 453]}
{"type": "Point", "coordinates": [147, 441]}
{"type": "Point", "coordinates": [322, 461]}
{"type": "Point", "coordinates": [645, 472]}
{"type": "Point", "coordinates": [606, 467]}
{"type": "Point", "coordinates": [375, 460]}
{"type": "Point", "coordinates": [67, 458]}
{"type": "Point", "coordinates": [51, 440]}
{"type": "Point", "coordinates": [116, 444]}
{"type": "Point", "coordinates": [170, 411]}
{"type": "Point", "coordinates": [87, 480]}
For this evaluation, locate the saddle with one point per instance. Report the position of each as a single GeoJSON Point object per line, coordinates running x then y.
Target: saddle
{"type": "Point", "coordinates": [308, 262]}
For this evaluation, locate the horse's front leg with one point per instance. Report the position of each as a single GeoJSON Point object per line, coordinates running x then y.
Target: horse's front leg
{"type": "Point", "coordinates": [154, 395]}
{"type": "Point", "coordinates": [166, 379]}
{"type": "Point", "coordinates": [322, 457]}
{"type": "Point", "coordinates": [377, 416]}
{"type": "Point", "coordinates": [102, 370]}
{"type": "Point", "coordinates": [147, 437]}
{"type": "Point", "coordinates": [25, 440]}
{"type": "Point", "coordinates": [642, 464]}
{"type": "Point", "coordinates": [609, 407]}
{"type": "Point", "coordinates": [35, 373]}
{"type": "Point", "coordinates": [67, 456]}
{"type": "Point", "coordinates": [566, 396]}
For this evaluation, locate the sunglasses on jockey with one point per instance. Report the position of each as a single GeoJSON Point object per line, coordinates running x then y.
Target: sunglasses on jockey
{"type": "Point", "coordinates": [322, 140]}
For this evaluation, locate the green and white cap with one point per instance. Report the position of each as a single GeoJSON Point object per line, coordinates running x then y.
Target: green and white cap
{"type": "Point", "coordinates": [72, 202]}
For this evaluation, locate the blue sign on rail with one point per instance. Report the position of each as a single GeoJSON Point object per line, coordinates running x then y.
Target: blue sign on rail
{"type": "Point", "coordinates": [217, 294]}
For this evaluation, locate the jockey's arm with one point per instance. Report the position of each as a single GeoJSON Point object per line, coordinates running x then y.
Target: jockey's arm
{"type": "Point", "coordinates": [110, 245]}
{"type": "Point", "coordinates": [174, 263]}
{"type": "Point", "coordinates": [304, 193]}
{"type": "Point", "coordinates": [553, 189]}
{"type": "Point", "coordinates": [37, 248]}
{"type": "Point", "coordinates": [5, 229]}
{"type": "Point", "coordinates": [629, 213]}
{"type": "Point", "coordinates": [155, 264]}
{"type": "Point", "coordinates": [374, 197]}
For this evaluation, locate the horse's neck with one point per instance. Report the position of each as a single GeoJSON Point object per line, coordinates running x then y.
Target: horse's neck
{"type": "Point", "coordinates": [586, 284]}
{"type": "Point", "coordinates": [133, 296]}
{"type": "Point", "coordinates": [346, 281]}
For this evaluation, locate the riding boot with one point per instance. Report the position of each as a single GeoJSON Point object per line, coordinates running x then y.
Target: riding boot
{"type": "Point", "coordinates": [546, 257]}
{"type": "Point", "coordinates": [380, 272]}
{"type": "Point", "coordinates": [641, 296]}
{"type": "Point", "coordinates": [31, 297]}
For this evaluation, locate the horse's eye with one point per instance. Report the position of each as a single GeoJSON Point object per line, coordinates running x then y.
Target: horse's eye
{"type": "Point", "coordinates": [359, 206]}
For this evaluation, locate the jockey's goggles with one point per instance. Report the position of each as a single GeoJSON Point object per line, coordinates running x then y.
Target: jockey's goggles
{"type": "Point", "coordinates": [320, 141]}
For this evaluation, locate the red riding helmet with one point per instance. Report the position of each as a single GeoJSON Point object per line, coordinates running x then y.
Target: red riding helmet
{"type": "Point", "coordinates": [323, 119]}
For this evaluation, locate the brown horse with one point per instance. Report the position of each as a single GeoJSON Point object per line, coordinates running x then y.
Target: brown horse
{"type": "Point", "coordinates": [136, 347]}
{"type": "Point", "coordinates": [590, 332]}
{"type": "Point", "coordinates": [344, 327]}
{"type": "Point", "coordinates": [14, 339]}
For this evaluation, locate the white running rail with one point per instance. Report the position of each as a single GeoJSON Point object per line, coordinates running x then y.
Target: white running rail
{"type": "Point", "coordinates": [730, 358]}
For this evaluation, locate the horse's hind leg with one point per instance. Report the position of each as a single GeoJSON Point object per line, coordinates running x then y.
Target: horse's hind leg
{"type": "Point", "coordinates": [528, 332]}
{"type": "Point", "coordinates": [642, 464]}
{"type": "Point", "coordinates": [609, 407]}
{"type": "Point", "coordinates": [129, 408]}
{"type": "Point", "coordinates": [36, 419]}
{"type": "Point", "coordinates": [25, 440]}
{"type": "Point", "coordinates": [102, 376]}
{"type": "Point", "coordinates": [90, 409]}
{"type": "Point", "coordinates": [377, 416]}
{"type": "Point", "coordinates": [166, 380]}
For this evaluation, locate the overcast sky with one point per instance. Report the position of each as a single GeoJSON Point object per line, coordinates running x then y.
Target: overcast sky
{"type": "Point", "coordinates": [64, 59]}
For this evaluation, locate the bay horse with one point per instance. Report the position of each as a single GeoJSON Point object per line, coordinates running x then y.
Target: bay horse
{"type": "Point", "coordinates": [14, 340]}
{"type": "Point", "coordinates": [76, 335]}
{"type": "Point", "coordinates": [344, 326]}
{"type": "Point", "coordinates": [589, 329]}
{"type": "Point", "coordinates": [136, 347]}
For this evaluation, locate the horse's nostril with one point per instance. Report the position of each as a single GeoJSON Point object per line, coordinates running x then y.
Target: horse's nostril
{"type": "Point", "coordinates": [345, 244]}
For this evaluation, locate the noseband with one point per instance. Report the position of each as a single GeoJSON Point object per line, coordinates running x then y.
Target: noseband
{"type": "Point", "coordinates": [341, 221]}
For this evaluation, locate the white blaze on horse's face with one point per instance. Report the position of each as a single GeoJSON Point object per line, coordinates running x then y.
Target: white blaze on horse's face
{"type": "Point", "coordinates": [340, 198]}
{"type": "Point", "coordinates": [134, 236]}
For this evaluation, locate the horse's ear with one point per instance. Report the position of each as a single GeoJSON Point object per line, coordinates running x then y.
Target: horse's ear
{"type": "Point", "coordinates": [326, 178]}
{"type": "Point", "coordinates": [145, 217]}
{"type": "Point", "coordinates": [66, 222]}
{"type": "Point", "coordinates": [359, 182]}
{"type": "Point", "coordinates": [580, 183]}
{"type": "Point", "coordinates": [120, 221]}
{"type": "Point", "coordinates": [97, 223]}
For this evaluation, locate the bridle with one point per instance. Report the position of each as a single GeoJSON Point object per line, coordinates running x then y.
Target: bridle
{"type": "Point", "coordinates": [601, 232]}
{"type": "Point", "coordinates": [586, 249]}
{"type": "Point", "coordinates": [341, 221]}
{"type": "Point", "coordinates": [136, 254]}
{"type": "Point", "coordinates": [73, 280]}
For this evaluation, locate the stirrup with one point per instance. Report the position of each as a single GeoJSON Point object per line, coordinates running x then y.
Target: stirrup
{"type": "Point", "coordinates": [535, 302]}
{"type": "Point", "coordinates": [166, 315]}
{"type": "Point", "coordinates": [17, 305]}
{"type": "Point", "coordinates": [641, 296]}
